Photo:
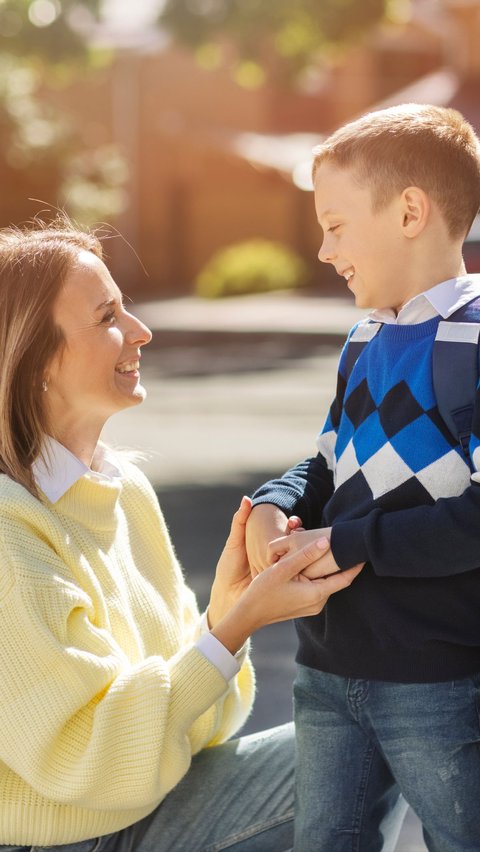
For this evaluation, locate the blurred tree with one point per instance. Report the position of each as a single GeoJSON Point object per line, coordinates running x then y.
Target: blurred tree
{"type": "Point", "coordinates": [282, 37]}
{"type": "Point", "coordinates": [51, 30]}
{"type": "Point", "coordinates": [44, 43]}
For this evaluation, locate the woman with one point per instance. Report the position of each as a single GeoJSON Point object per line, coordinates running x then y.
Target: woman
{"type": "Point", "coordinates": [110, 681]}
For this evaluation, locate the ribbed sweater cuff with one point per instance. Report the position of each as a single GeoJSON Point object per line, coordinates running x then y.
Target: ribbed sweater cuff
{"type": "Point", "coordinates": [348, 543]}
{"type": "Point", "coordinates": [285, 499]}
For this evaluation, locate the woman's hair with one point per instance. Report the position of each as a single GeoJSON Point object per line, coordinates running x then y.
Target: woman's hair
{"type": "Point", "coordinates": [34, 263]}
{"type": "Point", "coordinates": [431, 147]}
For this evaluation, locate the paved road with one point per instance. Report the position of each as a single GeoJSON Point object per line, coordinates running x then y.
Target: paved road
{"type": "Point", "coordinates": [224, 412]}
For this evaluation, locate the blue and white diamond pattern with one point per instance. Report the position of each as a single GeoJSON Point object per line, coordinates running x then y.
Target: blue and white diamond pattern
{"type": "Point", "coordinates": [415, 450]}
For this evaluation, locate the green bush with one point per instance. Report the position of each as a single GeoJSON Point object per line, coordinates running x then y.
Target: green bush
{"type": "Point", "coordinates": [255, 266]}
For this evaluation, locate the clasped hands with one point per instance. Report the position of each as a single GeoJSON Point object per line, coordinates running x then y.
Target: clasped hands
{"type": "Point", "coordinates": [262, 577]}
{"type": "Point", "coordinates": [296, 539]}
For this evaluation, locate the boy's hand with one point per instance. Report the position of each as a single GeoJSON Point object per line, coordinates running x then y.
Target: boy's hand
{"type": "Point", "coordinates": [322, 567]}
{"type": "Point", "coordinates": [265, 523]}
{"type": "Point", "coordinates": [276, 594]}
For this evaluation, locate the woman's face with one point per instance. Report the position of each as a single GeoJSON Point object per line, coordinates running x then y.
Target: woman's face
{"type": "Point", "coordinates": [96, 373]}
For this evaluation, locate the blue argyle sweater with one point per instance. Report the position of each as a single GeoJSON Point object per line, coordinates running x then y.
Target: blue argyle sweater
{"type": "Point", "coordinates": [399, 494]}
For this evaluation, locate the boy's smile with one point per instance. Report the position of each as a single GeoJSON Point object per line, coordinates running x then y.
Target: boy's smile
{"type": "Point", "coordinates": [367, 248]}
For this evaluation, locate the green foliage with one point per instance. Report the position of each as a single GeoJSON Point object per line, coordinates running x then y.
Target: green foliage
{"type": "Point", "coordinates": [33, 134]}
{"type": "Point", "coordinates": [93, 188]}
{"type": "Point", "coordinates": [44, 43]}
{"type": "Point", "coordinates": [296, 30]}
{"type": "Point", "coordinates": [50, 30]}
{"type": "Point", "coordinates": [254, 266]}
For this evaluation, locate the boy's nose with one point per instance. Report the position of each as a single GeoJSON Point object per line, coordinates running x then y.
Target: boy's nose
{"type": "Point", "coordinates": [326, 253]}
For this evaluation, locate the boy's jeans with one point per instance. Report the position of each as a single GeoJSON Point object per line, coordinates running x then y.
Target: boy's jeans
{"type": "Point", "coordinates": [237, 796]}
{"type": "Point", "coordinates": [361, 743]}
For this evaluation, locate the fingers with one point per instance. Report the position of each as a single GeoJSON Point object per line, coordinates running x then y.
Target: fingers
{"type": "Point", "coordinates": [239, 520]}
{"type": "Point", "coordinates": [324, 566]}
{"type": "Point", "coordinates": [243, 512]}
{"type": "Point", "coordinates": [338, 581]}
{"type": "Point", "coordinates": [294, 523]}
{"type": "Point", "coordinates": [279, 547]}
{"type": "Point", "coordinates": [294, 563]}
{"type": "Point", "coordinates": [329, 586]}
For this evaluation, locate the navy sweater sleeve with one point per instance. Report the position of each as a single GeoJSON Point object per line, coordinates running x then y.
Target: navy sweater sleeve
{"type": "Point", "coordinates": [303, 490]}
{"type": "Point", "coordinates": [424, 541]}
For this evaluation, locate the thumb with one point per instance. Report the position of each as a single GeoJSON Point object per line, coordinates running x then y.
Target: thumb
{"type": "Point", "coordinates": [236, 537]}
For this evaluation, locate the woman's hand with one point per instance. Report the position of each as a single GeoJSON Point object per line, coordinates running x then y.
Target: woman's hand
{"type": "Point", "coordinates": [239, 605]}
{"type": "Point", "coordinates": [233, 571]}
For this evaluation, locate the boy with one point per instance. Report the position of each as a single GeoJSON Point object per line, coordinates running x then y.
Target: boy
{"type": "Point", "coordinates": [387, 696]}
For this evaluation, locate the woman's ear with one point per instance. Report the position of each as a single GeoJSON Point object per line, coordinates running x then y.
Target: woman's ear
{"type": "Point", "coordinates": [416, 209]}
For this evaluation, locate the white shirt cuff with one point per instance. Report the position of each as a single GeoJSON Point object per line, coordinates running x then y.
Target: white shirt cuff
{"type": "Point", "coordinates": [211, 648]}
{"type": "Point", "coordinates": [217, 654]}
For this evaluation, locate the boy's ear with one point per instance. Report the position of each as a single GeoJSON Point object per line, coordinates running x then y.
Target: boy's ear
{"type": "Point", "coordinates": [415, 206]}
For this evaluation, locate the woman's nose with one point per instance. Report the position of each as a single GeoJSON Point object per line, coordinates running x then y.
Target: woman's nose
{"type": "Point", "coordinates": [138, 333]}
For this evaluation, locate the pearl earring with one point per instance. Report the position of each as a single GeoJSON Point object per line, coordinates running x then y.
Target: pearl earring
{"type": "Point", "coordinates": [44, 386]}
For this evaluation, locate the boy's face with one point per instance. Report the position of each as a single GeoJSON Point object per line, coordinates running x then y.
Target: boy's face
{"type": "Point", "coordinates": [366, 248]}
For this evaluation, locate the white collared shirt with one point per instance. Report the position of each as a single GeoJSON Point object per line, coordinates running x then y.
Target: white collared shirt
{"type": "Point", "coordinates": [443, 299]}
{"type": "Point", "coordinates": [57, 469]}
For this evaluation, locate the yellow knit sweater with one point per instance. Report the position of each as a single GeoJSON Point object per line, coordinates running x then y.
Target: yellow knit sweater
{"type": "Point", "coordinates": [103, 698]}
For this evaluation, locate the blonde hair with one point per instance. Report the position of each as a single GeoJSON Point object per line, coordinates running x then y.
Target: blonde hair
{"type": "Point", "coordinates": [431, 147]}
{"type": "Point", "coordinates": [34, 263]}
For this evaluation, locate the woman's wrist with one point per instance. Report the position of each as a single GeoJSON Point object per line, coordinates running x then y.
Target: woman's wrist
{"type": "Point", "coordinates": [234, 628]}
{"type": "Point", "coordinates": [222, 601]}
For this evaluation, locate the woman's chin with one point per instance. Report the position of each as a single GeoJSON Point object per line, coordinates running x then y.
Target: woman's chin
{"type": "Point", "coordinates": [138, 395]}
{"type": "Point", "coordinates": [130, 391]}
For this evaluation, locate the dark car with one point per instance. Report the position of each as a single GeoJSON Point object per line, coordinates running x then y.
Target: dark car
{"type": "Point", "coordinates": [471, 247]}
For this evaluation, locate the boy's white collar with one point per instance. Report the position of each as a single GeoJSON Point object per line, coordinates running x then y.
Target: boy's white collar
{"type": "Point", "coordinates": [443, 299]}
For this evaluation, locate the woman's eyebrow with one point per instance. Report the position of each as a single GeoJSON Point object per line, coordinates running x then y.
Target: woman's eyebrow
{"type": "Point", "coordinates": [106, 304]}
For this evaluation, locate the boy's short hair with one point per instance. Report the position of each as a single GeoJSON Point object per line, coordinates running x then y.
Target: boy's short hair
{"type": "Point", "coordinates": [431, 147]}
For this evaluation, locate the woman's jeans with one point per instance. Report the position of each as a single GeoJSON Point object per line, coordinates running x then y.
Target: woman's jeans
{"type": "Point", "coordinates": [363, 743]}
{"type": "Point", "coordinates": [236, 796]}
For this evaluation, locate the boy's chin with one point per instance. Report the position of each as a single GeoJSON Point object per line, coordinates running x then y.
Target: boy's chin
{"type": "Point", "coordinates": [363, 302]}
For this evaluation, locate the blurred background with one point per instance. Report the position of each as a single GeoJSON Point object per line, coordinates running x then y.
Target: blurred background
{"type": "Point", "coordinates": [188, 124]}
{"type": "Point", "coordinates": [183, 129]}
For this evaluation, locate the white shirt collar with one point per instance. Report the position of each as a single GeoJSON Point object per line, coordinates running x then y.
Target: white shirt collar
{"type": "Point", "coordinates": [444, 299]}
{"type": "Point", "coordinates": [56, 469]}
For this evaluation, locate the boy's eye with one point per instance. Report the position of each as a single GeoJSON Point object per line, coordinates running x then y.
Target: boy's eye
{"type": "Point", "coordinates": [332, 228]}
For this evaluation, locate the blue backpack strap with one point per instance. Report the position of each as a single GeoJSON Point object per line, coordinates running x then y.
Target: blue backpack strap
{"type": "Point", "coordinates": [456, 370]}
{"type": "Point", "coordinates": [363, 334]}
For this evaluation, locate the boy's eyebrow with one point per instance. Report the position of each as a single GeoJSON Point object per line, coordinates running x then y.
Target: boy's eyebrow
{"type": "Point", "coordinates": [325, 214]}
